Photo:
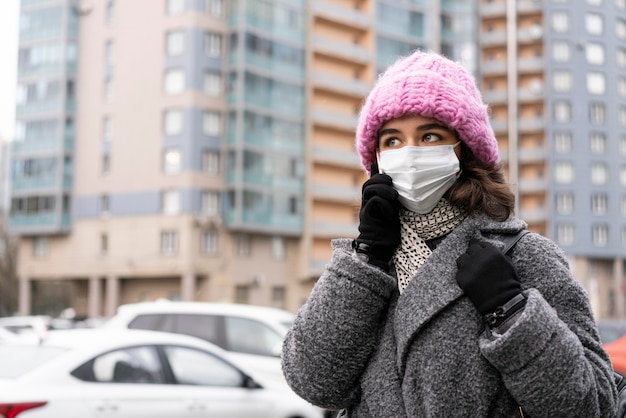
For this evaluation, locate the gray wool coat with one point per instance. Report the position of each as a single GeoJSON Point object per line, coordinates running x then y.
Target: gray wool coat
{"type": "Point", "coordinates": [358, 345]}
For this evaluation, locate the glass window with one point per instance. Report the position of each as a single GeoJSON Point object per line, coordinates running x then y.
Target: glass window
{"type": "Point", "coordinates": [243, 245]}
{"type": "Point", "coordinates": [560, 21]}
{"type": "Point", "coordinates": [209, 242]}
{"type": "Point", "coordinates": [621, 4]}
{"type": "Point", "coordinates": [212, 123]}
{"type": "Point", "coordinates": [104, 204]}
{"type": "Point", "coordinates": [278, 248]}
{"type": "Point", "coordinates": [171, 161]}
{"type": "Point", "coordinates": [210, 203]}
{"type": "Point", "coordinates": [594, 24]}
{"type": "Point", "coordinates": [564, 172]}
{"type": "Point", "coordinates": [108, 89]}
{"type": "Point", "coordinates": [279, 297]}
{"type": "Point", "coordinates": [596, 83]}
{"type": "Point", "coordinates": [622, 145]}
{"type": "Point", "coordinates": [107, 129]}
{"type": "Point", "coordinates": [621, 86]}
{"type": "Point", "coordinates": [170, 202]}
{"type": "Point", "coordinates": [175, 7]}
{"type": "Point", "coordinates": [213, 83]}
{"type": "Point", "coordinates": [210, 163]}
{"type": "Point", "coordinates": [565, 234]}
{"type": "Point", "coordinates": [175, 43]}
{"type": "Point", "coordinates": [622, 176]}
{"type": "Point", "coordinates": [213, 44]}
{"type": "Point", "coordinates": [563, 142]}
{"type": "Point", "coordinates": [169, 242]}
{"type": "Point", "coordinates": [621, 57]}
{"type": "Point", "coordinates": [622, 116]}
{"type": "Point", "coordinates": [599, 203]}
{"type": "Point", "coordinates": [594, 53]}
{"type": "Point", "coordinates": [599, 173]}
{"type": "Point", "coordinates": [252, 337]}
{"type": "Point", "coordinates": [562, 81]}
{"type": "Point", "coordinates": [561, 51]}
{"type": "Point", "coordinates": [597, 113]}
{"type": "Point", "coordinates": [110, 12]}
{"type": "Point", "coordinates": [564, 203]}
{"type": "Point", "coordinates": [128, 365]}
{"type": "Point", "coordinates": [562, 111]}
{"type": "Point", "coordinates": [173, 122]}
{"type": "Point", "coordinates": [40, 247]}
{"type": "Point", "coordinates": [620, 28]}
{"type": "Point", "coordinates": [595, 2]}
{"type": "Point", "coordinates": [104, 244]}
{"type": "Point", "coordinates": [109, 53]}
{"type": "Point", "coordinates": [598, 143]}
{"type": "Point", "coordinates": [106, 164]}
{"type": "Point", "coordinates": [600, 235]}
{"type": "Point", "coordinates": [174, 81]}
{"type": "Point", "coordinates": [195, 367]}
{"type": "Point", "coordinates": [215, 7]}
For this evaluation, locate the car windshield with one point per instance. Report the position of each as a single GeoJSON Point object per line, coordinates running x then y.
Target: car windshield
{"type": "Point", "coordinates": [16, 360]}
{"type": "Point", "coordinates": [287, 324]}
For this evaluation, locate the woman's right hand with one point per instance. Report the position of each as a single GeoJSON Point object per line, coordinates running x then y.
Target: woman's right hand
{"type": "Point", "coordinates": [379, 228]}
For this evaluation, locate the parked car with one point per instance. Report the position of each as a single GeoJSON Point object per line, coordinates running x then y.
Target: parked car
{"type": "Point", "coordinates": [85, 373]}
{"type": "Point", "coordinates": [611, 329]}
{"type": "Point", "coordinates": [252, 335]}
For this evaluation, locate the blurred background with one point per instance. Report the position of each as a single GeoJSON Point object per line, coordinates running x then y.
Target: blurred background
{"type": "Point", "coordinates": [202, 150]}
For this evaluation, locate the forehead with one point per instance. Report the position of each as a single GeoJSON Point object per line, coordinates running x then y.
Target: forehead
{"type": "Point", "coordinates": [409, 121]}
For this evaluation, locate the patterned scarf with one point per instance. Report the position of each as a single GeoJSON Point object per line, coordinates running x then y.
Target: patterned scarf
{"type": "Point", "coordinates": [415, 230]}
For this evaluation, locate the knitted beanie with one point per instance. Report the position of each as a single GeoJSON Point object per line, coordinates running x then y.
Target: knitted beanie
{"type": "Point", "coordinates": [430, 85]}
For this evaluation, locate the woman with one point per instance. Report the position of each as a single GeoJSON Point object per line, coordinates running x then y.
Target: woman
{"type": "Point", "coordinates": [422, 315]}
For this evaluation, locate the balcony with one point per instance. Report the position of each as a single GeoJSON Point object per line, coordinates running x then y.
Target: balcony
{"type": "Point", "coordinates": [344, 15]}
{"type": "Point", "coordinates": [495, 9]}
{"type": "Point", "coordinates": [333, 83]}
{"type": "Point", "coordinates": [494, 38]}
{"type": "Point", "coordinates": [337, 157]}
{"type": "Point", "coordinates": [333, 119]}
{"type": "Point", "coordinates": [342, 50]}
{"type": "Point", "coordinates": [329, 192]}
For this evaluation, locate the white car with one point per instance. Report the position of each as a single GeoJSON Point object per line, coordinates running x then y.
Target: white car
{"type": "Point", "coordinates": [129, 374]}
{"type": "Point", "coordinates": [251, 335]}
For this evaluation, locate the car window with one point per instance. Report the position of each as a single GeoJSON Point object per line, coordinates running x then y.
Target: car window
{"type": "Point", "coordinates": [195, 367]}
{"type": "Point", "coordinates": [128, 365]}
{"type": "Point", "coordinates": [252, 337]}
{"type": "Point", "coordinates": [207, 327]}
{"type": "Point", "coordinates": [16, 360]}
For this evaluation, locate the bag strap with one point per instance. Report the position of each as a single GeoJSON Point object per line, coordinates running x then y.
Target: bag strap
{"type": "Point", "coordinates": [511, 240]}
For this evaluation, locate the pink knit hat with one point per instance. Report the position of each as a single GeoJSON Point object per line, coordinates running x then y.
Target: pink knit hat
{"type": "Point", "coordinates": [430, 85]}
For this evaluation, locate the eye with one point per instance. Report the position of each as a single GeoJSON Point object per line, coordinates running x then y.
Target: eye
{"type": "Point", "coordinates": [431, 137]}
{"type": "Point", "coordinates": [391, 141]}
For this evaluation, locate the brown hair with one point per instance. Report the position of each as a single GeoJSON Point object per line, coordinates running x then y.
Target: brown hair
{"type": "Point", "coordinates": [482, 186]}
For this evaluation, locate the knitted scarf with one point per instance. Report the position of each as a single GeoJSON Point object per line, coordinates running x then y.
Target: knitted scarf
{"type": "Point", "coordinates": [415, 230]}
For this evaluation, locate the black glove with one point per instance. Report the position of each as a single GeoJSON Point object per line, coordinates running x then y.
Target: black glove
{"type": "Point", "coordinates": [379, 226]}
{"type": "Point", "coordinates": [487, 277]}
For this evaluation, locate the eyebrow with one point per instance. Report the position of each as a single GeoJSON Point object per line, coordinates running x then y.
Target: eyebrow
{"type": "Point", "coordinates": [424, 127]}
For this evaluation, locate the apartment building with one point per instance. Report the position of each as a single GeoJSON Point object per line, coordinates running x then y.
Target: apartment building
{"type": "Point", "coordinates": [197, 149]}
{"type": "Point", "coordinates": [554, 74]}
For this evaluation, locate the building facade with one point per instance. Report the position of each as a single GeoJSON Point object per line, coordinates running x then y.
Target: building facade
{"type": "Point", "coordinates": [554, 74]}
{"type": "Point", "coordinates": [197, 149]}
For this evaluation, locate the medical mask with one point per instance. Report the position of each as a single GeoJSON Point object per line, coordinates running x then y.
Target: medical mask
{"type": "Point", "coordinates": [421, 175]}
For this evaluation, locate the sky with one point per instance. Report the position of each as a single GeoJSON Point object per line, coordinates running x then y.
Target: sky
{"type": "Point", "coordinates": [9, 19]}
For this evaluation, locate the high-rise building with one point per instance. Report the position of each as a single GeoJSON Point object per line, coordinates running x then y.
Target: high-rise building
{"type": "Point", "coordinates": [554, 74]}
{"type": "Point", "coordinates": [198, 150]}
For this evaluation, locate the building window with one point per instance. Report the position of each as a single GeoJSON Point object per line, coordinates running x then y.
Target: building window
{"type": "Point", "coordinates": [565, 234]}
{"type": "Point", "coordinates": [599, 203]}
{"type": "Point", "coordinates": [621, 115]}
{"type": "Point", "coordinates": [212, 123]}
{"type": "Point", "coordinates": [623, 207]}
{"type": "Point", "coordinates": [562, 81]}
{"type": "Point", "coordinates": [213, 44]}
{"type": "Point", "coordinates": [600, 235]}
{"type": "Point", "coordinates": [107, 128]}
{"type": "Point", "coordinates": [174, 81]}
{"type": "Point", "coordinates": [104, 244]}
{"type": "Point", "coordinates": [560, 21]}
{"type": "Point", "coordinates": [595, 2]}
{"type": "Point", "coordinates": [597, 113]}
{"type": "Point", "coordinates": [243, 245]}
{"type": "Point", "coordinates": [278, 248]}
{"type": "Point", "coordinates": [213, 84]}
{"type": "Point", "coordinates": [564, 172]}
{"type": "Point", "coordinates": [210, 163]}
{"type": "Point", "coordinates": [595, 53]}
{"type": "Point", "coordinates": [108, 89]}
{"type": "Point", "coordinates": [173, 122]}
{"type": "Point", "coordinates": [622, 176]}
{"type": "Point", "coordinates": [561, 51]}
{"type": "Point", "coordinates": [170, 202]}
{"type": "Point", "coordinates": [174, 7]}
{"type": "Point", "coordinates": [596, 83]}
{"type": "Point", "coordinates": [594, 24]}
{"type": "Point", "coordinates": [598, 143]}
{"type": "Point", "coordinates": [621, 57]}
{"type": "Point", "coordinates": [279, 297]}
{"type": "Point", "coordinates": [620, 28]}
{"type": "Point", "coordinates": [106, 164]}
{"type": "Point", "coordinates": [599, 173]}
{"type": "Point", "coordinates": [40, 247]}
{"type": "Point", "coordinates": [210, 203]}
{"type": "Point", "coordinates": [622, 145]}
{"type": "Point", "coordinates": [564, 203]}
{"type": "Point", "coordinates": [242, 294]}
{"type": "Point", "coordinates": [562, 111]}
{"type": "Point", "coordinates": [563, 142]}
{"type": "Point", "coordinates": [104, 204]}
{"type": "Point", "coordinates": [215, 8]}
{"type": "Point", "coordinates": [209, 242]}
{"type": "Point", "coordinates": [174, 43]}
{"type": "Point", "coordinates": [171, 161]}
{"type": "Point", "coordinates": [109, 54]}
{"type": "Point", "coordinates": [110, 12]}
{"type": "Point", "coordinates": [169, 242]}
{"type": "Point", "coordinates": [621, 4]}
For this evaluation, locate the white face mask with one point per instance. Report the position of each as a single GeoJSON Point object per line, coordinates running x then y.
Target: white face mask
{"type": "Point", "coordinates": [421, 175]}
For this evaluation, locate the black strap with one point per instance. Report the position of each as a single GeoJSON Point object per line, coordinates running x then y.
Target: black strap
{"type": "Point", "coordinates": [511, 240]}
